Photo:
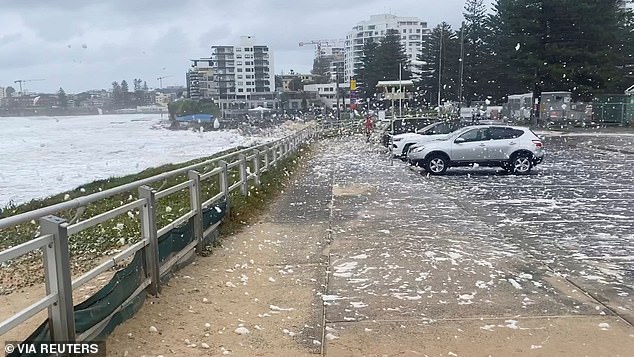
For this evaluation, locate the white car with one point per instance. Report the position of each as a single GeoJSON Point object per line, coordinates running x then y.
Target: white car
{"type": "Point", "coordinates": [439, 130]}
{"type": "Point", "coordinates": [516, 149]}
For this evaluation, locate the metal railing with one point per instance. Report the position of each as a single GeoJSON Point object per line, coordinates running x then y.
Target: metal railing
{"type": "Point", "coordinates": [55, 231]}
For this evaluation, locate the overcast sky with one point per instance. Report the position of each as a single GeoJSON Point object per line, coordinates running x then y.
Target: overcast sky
{"type": "Point", "coordinates": [81, 45]}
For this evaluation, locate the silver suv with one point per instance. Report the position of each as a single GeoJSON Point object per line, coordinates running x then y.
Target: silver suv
{"type": "Point", "coordinates": [516, 149]}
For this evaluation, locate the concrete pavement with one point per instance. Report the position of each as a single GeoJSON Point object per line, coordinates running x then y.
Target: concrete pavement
{"type": "Point", "coordinates": [359, 257]}
{"type": "Point", "coordinates": [414, 272]}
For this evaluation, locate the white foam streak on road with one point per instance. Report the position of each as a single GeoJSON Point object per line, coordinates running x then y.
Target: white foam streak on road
{"type": "Point", "coordinates": [42, 156]}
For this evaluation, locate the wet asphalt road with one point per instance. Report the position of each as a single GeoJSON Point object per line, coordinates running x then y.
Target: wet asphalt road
{"type": "Point", "coordinates": [575, 212]}
{"type": "Point", "coordinates": [479, 258]}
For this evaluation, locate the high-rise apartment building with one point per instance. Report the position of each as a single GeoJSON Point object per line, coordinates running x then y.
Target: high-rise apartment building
{"type": "Point", "coordinates": [413, 31]}
{"type": "Point", "coordinates": [242, 73]}
{"type": "Point", "coordinates": [200, 78]}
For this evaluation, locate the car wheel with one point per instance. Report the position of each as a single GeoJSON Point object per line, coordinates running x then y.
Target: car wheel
{"type": "Point", "coordinates": [521, 164]}
{"type": "Point", "coordinates": [436, 164]}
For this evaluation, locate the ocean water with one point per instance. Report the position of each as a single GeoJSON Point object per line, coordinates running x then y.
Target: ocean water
{"type": "Point", "coordinates": [42, 156]}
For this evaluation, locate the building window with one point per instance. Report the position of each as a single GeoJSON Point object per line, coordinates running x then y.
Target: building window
{"type": "Point", "coordinates": [239, 63]}
{"type": "Point", "coordinates": [404, 31]}
{"type": "Point", "coordinates": [240, 83]}
{"type": "Point", "coordinates": [238, 56]}
{"type": "Point", "coordinates": [239, 69]}
{"type": "Point", "coordinates": [240, 90]}
{"type": "Point", "coordinates": [417, 30]}
{"type": "Point", "coordinates": [238, 49]}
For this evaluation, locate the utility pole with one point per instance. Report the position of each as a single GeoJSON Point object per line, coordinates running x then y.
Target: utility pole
{"type": "Point", "coordinates": [461, 66]}
{"type": "Point", "coordinates": [400, 90]}
{"type": "Point", "coordinates": [440, 68]}
{"type": "Point", "coordinates": [337, 95]}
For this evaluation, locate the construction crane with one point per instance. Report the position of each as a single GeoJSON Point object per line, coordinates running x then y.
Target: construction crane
{"type": "Point", "coordinates": [160, 79]}
{"type": "Point", "coordinates": [26, 80]}
{"type": "Point", "coordinates": [319, 43]}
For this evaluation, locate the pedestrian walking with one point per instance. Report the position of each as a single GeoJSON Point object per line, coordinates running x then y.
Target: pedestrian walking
{"type": "Point", "coordinates": [369, 126]}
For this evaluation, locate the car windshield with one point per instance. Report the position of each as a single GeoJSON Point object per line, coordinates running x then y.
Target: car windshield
{"type": "Point", "coordinates": [327, 178]}
{"type": "Point", "coordinates": [427, 128]}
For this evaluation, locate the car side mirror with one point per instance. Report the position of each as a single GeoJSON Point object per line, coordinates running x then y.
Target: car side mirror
{"type": "Point", "coordinates": [459, 140]}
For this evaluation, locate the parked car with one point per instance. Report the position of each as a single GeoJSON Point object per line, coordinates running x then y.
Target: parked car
{"type": "Point", "coordinates": [406, 125]}
{"type": "Point", "coordinates": [438, 130]}
{"type": "Point", "coordinates": [516, 149]}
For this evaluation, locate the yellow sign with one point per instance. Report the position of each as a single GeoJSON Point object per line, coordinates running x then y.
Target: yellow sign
{"type": "Point", "coordinates": [353, 84]}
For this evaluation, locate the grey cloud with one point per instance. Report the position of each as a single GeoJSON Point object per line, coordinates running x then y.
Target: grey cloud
{"type": "Point", "coordinates": [141, 37]}
{"type": "Point", "coordinates": [11, 38]}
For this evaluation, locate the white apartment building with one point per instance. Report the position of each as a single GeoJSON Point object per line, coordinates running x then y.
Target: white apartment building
{"type": "Point", "coordinates": [413, 33]}
{"type": "Point", "coordinates": [243, 73]}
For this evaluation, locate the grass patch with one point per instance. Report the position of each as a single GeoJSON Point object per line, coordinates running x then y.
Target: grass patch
{"type": "Point", "coordinates": [246, 209]}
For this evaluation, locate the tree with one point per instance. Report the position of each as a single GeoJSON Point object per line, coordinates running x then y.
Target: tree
{"type": "Point", "coordinates": [9, 91]}
{"type": "Point", "coordinates": [62, 100]}
{"type": "Point", "coordinates": [296, 84]}
{"type": "Point", "coordinates": [364, 73]}
{"type": "Point", "coordinates": [321, 65]}
{"type": "Point", "coordinates": [477, 72]}
{"type": "Point", "coordinates": [429, 70]}
{"type": "Point", "coordinates": [554, 45]}
{"type": "Point", "coordinates": [383, 61]}
{"type": "Point", "coordinates": [145, 87]}
{"type": "Point", "coordinates": [625, 50]}
{"type": "Point", "coordinates": [124, 86]}
{"type": "Point", "coordinates": [116, 94]}
{"type": "Point", "coordinates": [190, 106]}
{"type": "Point", "coordinates": [125, 94]}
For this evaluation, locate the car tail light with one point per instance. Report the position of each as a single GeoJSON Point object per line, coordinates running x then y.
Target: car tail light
{"type": "Point", "coordinates": [538, 144]}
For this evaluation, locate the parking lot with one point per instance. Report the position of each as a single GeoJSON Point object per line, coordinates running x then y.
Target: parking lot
{"type": "Point", "coordinates": [573, 213]}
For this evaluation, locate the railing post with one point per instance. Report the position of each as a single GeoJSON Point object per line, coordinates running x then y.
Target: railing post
{"type": "Point", "coordinates": [266, 158]}
{"type": "Point", "coordinates": [274, 150]}
{"type": "Point", "coordinates": [256, 165]}
{"type": "Point", "coordinates": [58, 279]}
{"type": "Point", "coordinates": [282, 149]}
{"type": "Point", "coordinates": [224, 183]}
{"type": "Point", "coordinates": [148, 231]}
{"type": "Point", "coordinates": [196, 206]}
{"type": "Point", "coordinates": [243, 174]}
